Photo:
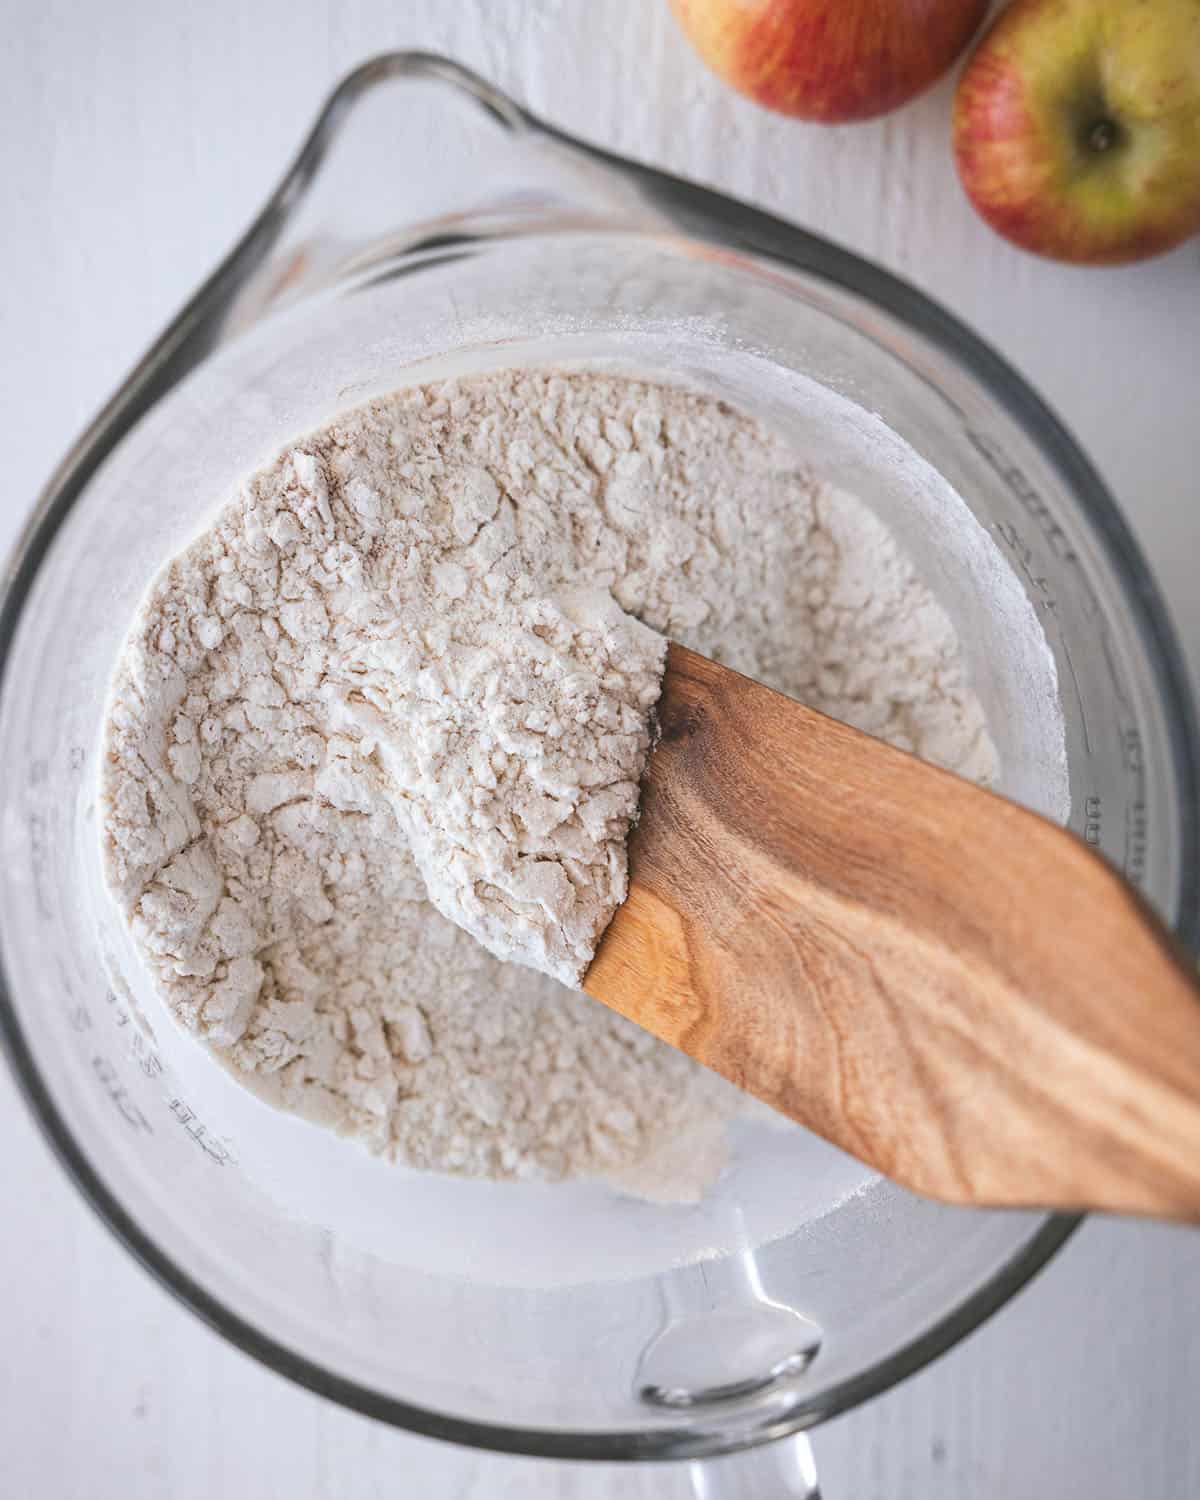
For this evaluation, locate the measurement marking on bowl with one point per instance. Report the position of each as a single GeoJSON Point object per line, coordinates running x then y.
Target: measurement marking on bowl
{"type": "Point", "coordinates": [214, 1149]}
{"type": "Point", "coordinates": [39, 861]}
{"type": "Point", "coordinates": [110, 1080]}
{"type": "Point", "coordinates": [1092, 819]}
{"type": "Point", "coordinates": [1136, 819]}
{"type": "Point", "coordinates": [1027, 495]}
{"type": "Point", "coordinates": [1022, 554]}
{"type": "Point", "coordinates": [144, 1055]}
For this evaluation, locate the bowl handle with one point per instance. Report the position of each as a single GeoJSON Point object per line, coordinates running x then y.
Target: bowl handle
{"type": "Point", "coordinates": [784, 1470]}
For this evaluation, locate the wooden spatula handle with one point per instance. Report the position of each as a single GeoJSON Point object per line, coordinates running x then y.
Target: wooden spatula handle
{"type": "Point", "coordinates": [951, 988]}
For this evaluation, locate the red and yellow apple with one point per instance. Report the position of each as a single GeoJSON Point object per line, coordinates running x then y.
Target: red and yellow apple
{"type": "Point", "coordinates": [1077, 127]}
{"type": "Point", "coordinates": [829, 60]}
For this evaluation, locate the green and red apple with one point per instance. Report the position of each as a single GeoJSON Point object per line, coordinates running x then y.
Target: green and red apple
{"type": "Point", "coordinates": [829, 60]}
{"type": "Point", "coordinates": [1077, 127]}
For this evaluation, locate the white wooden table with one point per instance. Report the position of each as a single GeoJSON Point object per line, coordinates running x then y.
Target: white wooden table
{"type": "Point", "coordinates": [136, 138]}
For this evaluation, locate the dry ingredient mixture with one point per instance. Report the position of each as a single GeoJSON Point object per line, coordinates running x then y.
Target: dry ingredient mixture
{"type": "Point", "coordinates": [407, 671]}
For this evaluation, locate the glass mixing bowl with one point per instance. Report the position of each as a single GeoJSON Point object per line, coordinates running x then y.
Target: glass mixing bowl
{"type": "Point", "coordinates": [428, 226]}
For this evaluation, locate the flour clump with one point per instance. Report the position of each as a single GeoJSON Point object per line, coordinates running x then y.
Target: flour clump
{"type": "Point", "coordinates": [406, 674]}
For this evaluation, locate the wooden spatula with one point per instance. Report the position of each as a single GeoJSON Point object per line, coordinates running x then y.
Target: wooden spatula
{"type": "Point", "coordinates": [955, 990]}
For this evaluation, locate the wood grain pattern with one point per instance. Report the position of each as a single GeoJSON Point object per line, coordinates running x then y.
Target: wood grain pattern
{"type": "Point", "coordinates": [951, 988]}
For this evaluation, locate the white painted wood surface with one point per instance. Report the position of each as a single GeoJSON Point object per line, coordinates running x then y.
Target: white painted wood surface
{"type": "Point", "coordinates": [136, 138]}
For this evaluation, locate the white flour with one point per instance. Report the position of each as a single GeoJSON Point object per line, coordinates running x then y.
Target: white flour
{"type": "Point", "coordinates": [511, 731]}
{"type": "Point", "coordinates": [396, 652]}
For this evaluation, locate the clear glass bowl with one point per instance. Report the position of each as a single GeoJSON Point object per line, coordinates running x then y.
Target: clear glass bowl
{"type": "Point", "coordinates": [430, 225]}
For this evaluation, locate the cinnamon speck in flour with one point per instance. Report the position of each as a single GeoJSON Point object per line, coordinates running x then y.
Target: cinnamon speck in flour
{"type": "Point", "coordinates": [379, 730]}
